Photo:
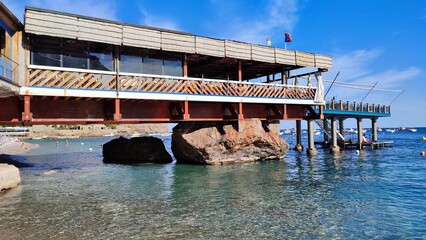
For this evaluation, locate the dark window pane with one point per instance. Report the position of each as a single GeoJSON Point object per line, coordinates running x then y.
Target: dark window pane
{"type": "Point", "coordinates": [152, 66]}
{"type": "Point", "coordinates": [131, 64]}
{"type": "Point", "coordinates": [75, 60]}
{"type": "Point", "coordinates": [172, 67]}
{"type": "Point", "coordinates": [46, 58]}
{"type": "Point", "coordinates": [100, 57]}
{"type": "Point", "coordinates": [101, 61]}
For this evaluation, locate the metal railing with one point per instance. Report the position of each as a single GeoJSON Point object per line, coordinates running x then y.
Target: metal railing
{"type": "Point", "coordinates": [8, 68]}
{"type": "Point", "coordinates": [69, 78]}
{"type": "Point", "coordinates": [357, 107]}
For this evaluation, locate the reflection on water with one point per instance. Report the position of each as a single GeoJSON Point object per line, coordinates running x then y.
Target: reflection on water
{"type": "Point", "coordinates": [377, 194]}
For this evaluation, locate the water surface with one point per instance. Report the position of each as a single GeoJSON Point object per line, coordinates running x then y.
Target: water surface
{"type": "Point", "coordinates": [374, 195]}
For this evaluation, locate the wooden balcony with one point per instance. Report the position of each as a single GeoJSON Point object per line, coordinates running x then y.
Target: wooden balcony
{"type": "Point", "coordinates": [144, 86]}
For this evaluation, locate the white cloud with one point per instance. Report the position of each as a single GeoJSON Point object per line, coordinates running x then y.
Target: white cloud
{"type": "Point", "coordinates": [93, 8]}
{"type": "Point", "coordinates": [154, 21]}
{"type": "Point", "coordinates": [276, 17]}
{"type": "Point", "coordinates": [357, 67]}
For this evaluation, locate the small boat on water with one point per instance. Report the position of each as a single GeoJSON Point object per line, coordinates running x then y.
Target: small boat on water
{"type": "Point", "coordinates": [350, 130]}
{"type": "Point", "coordinates": [412, 130]}
{"type": "Point", "coordinates": [317, 132]}
{"type": "Point", "coordinates": [390, 130]}
{"type": "Point", "coordinates": [285, 131]}
{"type": "Point", "coordinates": [423, 138]}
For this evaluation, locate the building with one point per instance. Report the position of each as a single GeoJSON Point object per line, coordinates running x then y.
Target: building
{"type": "Point", "coordinates": [67, 68]}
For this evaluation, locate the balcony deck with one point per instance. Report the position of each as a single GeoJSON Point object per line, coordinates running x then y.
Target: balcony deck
{"type": "Point", "coordinates": [62, 82]}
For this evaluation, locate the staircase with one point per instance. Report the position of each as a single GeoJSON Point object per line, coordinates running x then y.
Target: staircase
{"type": "Point", "coordinates": [320, 123]}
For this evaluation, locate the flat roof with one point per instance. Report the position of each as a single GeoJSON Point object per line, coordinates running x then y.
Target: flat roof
{"type": "Point", "coordinates": [66, 25]}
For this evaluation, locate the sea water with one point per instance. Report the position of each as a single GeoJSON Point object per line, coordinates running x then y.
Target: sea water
{"type": "Point", "coordinates": [68, 193]}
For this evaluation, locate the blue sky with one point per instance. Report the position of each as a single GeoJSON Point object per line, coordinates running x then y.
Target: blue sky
{"type": "Point", "coordinates": [370, 41]}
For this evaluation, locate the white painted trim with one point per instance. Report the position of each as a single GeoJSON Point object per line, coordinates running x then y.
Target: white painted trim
{"type": "Point", "coordinates": [35, 91]}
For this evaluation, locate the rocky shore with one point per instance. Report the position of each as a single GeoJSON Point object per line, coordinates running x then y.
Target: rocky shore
{"type": "Point", "coordinates": [94, 130]}
{"type": "Point", "coordinates": [9, 172]}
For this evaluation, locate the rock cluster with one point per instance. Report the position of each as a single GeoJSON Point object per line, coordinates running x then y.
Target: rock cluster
{"type": "Point", "coordinates": [227, 142]}
{"type": "Point", "coordinates": [135, 150]}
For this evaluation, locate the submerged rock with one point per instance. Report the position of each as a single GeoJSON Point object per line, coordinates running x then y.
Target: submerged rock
{"type": "Point", "coordinates": [219, 142]}
{"type": "Point", "coordinates": [135, 150]}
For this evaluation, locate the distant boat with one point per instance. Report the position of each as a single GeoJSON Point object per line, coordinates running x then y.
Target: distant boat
{"type": "Point", "coordinates": [317, 132]}
{"type": "Point", "coordinates": [14, 131]}
{"type": "Point", "coordinates": [412, 130]}
{"type": "Point", "coordinates": [390, 130]}
{"type": "Point", "coordinates": [285, 131]}
{"type": "Point", "coordinates": [350, 130]}
{"type": "Point", "coordinates": [423, 138]}
{"type": "Point", "coordinates": [379, 129]}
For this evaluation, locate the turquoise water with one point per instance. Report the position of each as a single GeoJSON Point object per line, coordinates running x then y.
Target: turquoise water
{"type": "Point", "coordinates": [375, 195]}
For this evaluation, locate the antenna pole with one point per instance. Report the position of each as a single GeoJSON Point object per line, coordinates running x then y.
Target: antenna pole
{"type": "Point", "coordinates": [331, 84]}
{"type": "Point", "coordinates": [397, 97]}
{"type": "Point", "coordinates": [369, 91]}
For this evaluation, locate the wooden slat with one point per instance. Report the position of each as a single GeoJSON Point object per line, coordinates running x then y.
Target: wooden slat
{"type": "Point", "coordinates": [32, 82]}
{"type": "Point", "coordinates": [92, 81]}
{"type": "Point", "coordinates": [34, 72]}
{"type": "Point", "coordinates": [48, 77]}
{"type": "Point", "coordinates": [59, 78]}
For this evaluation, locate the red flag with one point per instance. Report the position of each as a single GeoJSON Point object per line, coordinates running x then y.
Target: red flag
{"type": "Point", "coordinates": [288, 37]}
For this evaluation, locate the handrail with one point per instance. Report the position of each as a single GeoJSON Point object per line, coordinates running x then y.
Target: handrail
{"type": "Point", "coordinates": [71, 78]}
{"type": "Point", "coordinates": [162, 76]}
{"type": "Point", "coordinates": [357, 106]}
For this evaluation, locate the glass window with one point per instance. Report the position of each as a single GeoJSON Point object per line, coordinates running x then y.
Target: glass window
{"type": "Point", "coordinates": [46, 51]}
{"type": "Point", "coordinates": [46, 57]}
{"type": "Point", "coordinates": [74, 60]}
{"type": "Point", "coordinates": [172, 67]}
{"type": "Point", "coordinates": [152, 66]}
{"type": "Point", "coordinates": [74, 54]}
{"type": "Point", "coordinates": [100, 57]}
{"type": "Point", "coordinates": [100, 61]}
{"type": "Point", "coordinates": [130, 64]}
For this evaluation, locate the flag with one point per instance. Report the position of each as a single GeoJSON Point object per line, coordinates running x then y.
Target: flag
{"type": "Point", "coordinates": [287, 37]}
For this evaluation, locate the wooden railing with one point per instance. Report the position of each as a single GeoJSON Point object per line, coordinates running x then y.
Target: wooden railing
{"type": "Point", "coordinates": [52, 77]}
{"type": "Point", "coordinates": [357, 107]}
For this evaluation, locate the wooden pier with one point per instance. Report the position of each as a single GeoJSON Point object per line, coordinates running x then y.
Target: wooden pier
{"type": "Point", "coordinates": [330, 118]}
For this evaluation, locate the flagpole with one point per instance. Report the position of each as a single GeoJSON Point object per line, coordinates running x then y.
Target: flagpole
{"type": "Point", "coordinates": [285, 45]}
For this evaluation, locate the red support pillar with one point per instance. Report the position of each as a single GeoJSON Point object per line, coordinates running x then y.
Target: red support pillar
{"type": "Point", "coordinates": [186, 110]}
{"type": "Point", "coordinates": [117, 114]}
{"type": "Point", "coordinates": [27, 116]}
{"type": "Point", "coordinates": [240, 104]}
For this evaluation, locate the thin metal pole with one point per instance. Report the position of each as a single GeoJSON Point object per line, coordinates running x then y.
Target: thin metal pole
{"type": "Point", "coordinates": [369, 91]}
{"type": "Point", "coordinates": [331, 84]}
{"type": "Point", "coordinates": [397, 97]}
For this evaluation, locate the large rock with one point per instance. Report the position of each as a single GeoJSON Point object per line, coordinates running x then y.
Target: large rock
{"type": "Point", "coordinates": [9, 176]}
{"type": "Point", "coordinates": [135, 150]}
{"type": "Point", "coordinates": [219, 143]}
